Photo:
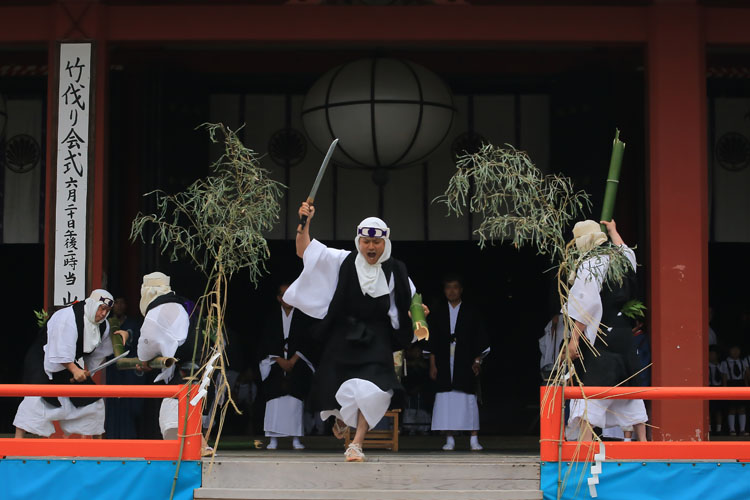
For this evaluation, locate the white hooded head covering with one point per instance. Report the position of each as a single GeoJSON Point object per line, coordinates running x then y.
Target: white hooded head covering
{"type": "Point", "coordinates": [588, 235]}
{"type": "Point", "coordinates": [371, 276]}
{"type": "Point", "coordinates": [154, 285]}
{"type": "Point", "coordinates": [91, 335]}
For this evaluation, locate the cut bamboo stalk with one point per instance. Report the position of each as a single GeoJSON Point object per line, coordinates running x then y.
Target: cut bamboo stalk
{"type": "Point", "coordinates": [613, 179]}
{"type": "Point", "coordinates": [418, 320]}
{"type": "Point", "coordinates": [156, 363]}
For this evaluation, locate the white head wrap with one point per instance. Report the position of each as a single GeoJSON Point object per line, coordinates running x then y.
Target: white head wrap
{"type": "Point", "coordinates": [588, 234]}
{"type": "Point", "coordinates": [371, 276]}
{"type": "Point", "coordinates": [91, 335]}
{"type": "Point", "coordinates": [154, 285]}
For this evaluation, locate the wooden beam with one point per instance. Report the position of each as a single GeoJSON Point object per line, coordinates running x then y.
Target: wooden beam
{"type": "Point", "coordinates": [31, 24]}
{"type": "Point", "coordinates": [727, 26]}
{"type": "Point", "coordinates": [377, 24]}
{"type": "Point", "coordinates": [311, 23]}
{"type": "Point", "coordinates": [454, 23]}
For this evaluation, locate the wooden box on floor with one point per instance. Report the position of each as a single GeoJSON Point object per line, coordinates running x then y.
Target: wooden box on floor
{"type": "Point", "coordinates": [387, 439]}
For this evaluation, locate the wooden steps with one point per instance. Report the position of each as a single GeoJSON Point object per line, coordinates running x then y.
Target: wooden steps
{"type": "Point", "coordinates": [385, 476]}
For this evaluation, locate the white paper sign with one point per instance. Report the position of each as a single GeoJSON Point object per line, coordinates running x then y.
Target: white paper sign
{"type": "Point", "coordinates": [73, 110]}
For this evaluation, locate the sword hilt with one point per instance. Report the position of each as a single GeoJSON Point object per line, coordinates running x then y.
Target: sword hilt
{"type": "Point", "coordinates": [303, 219]}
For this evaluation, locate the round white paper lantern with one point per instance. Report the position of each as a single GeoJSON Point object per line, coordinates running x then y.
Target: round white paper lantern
{"type": "Point", "coordinates": [385, 112]}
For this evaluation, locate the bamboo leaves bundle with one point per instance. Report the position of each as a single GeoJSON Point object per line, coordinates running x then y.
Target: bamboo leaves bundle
{"type": "Point", "coordinates": [515, 199]}
{"type": "Point", "coordinates": [218, 221]}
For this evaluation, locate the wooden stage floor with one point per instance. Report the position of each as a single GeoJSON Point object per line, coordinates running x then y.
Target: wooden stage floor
{"type": "Point", "coordinates": [508, 469]}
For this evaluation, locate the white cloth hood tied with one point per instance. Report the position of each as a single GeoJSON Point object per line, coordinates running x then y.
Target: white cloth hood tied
{"type": "Point", "coordinates": [371, 277]}
{"type": "Point", "coordinates": [588, 234]}
{"type": "Point", "coordinates": [92, 336]}
{"type": "Point", "coordinates": [154, 285]}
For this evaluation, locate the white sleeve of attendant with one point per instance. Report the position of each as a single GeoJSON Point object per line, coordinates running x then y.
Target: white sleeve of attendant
{"type": "Point", "coordinates": [630, 254]}
{"type": "Point", "coordinates": [62, 334]}
{"type": "Point", "coordinates": [164, 329]}
{"type": "Point", "coordinates": [546, 346]}
{"type": "Point", "coordinates": [584, 302]}
{"type": "Point", "coordinates": [313, 290]}
{"type": "Point", "coordinates": [307, 361]}
{"type": "Point", "coordinates": [154, 341]}
{"type": "Point", "coordinates": [265, 367]}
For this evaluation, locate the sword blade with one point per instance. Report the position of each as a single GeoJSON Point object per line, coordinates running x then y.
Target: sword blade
{"type": "Point", "coordinates": [321, 171]}
{"type": "Point", "coordinates": [106, 364]}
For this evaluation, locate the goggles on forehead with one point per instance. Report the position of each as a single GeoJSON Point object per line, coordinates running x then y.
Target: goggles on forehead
{"type": "Point", "coordinates": [107, 301]}
{"type": "Point", "coordinates": [372, 232]}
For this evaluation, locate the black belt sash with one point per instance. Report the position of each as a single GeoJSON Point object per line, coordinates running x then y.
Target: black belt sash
{"type": "Point", "coordinates": [63, 378]}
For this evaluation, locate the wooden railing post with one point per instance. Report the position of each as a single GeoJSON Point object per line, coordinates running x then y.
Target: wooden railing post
{"type": "Point", "coordinates": [550, 408]}
{"type": "Point", "coordinates": [192, 432]}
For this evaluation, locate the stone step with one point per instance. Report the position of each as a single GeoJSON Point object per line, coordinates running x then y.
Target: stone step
{"type": "Point", "coordinates": [362, 494]}
{"type": "Point", "coordinates": [391, 475]}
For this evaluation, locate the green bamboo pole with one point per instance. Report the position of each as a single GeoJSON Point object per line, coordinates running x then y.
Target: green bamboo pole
{"type": "Point", "coordinates": [613, 179]}
{"type": "Point", "coordinates": [156, 363]}
{"type": "Point", "coordinates": [117, 346]}
{"type": "Point", "coordinates": [418, 320]}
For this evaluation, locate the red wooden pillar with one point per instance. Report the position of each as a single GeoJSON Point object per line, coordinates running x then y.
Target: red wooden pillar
{"type": "Point", "coordinates": [678, 195]}
{"type": "Point", "coordinates": [79, 20]}
{"type": "Point", "coordinates": [99, 173]}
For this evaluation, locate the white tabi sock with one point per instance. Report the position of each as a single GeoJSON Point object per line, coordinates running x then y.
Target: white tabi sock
{"type": "Point", "coordinates": [730, 421]}
{"type": "Point", "coordinates": [474, 443]}
{"type": "Point", "coordinates": [718, 427]}
{"type": "Point", "coordinates": [742, 420]}
{"type": "Point", "coordinates": [273, 444]}
{"type": "Point", "coordinates": [627, 440]}
{"type": "Point", "coordinates": [450, 444]}
{"type": "Point", "coordinates": [296, 444]}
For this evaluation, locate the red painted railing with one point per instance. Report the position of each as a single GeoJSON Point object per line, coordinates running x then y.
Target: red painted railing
{"type": "Point", "coordinates": [150, 449]}
{"type": "Point", "coordinates": [551, 408]}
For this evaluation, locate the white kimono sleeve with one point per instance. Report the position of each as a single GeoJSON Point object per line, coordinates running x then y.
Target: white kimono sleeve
{"type": "Point", "coordinates": [313, 290]}
{"type": "Point", "coordinates": [164, 329]}
{"type": "Point", "coordinates": [62, 334]}
{"type": "Point", "coordinates": [584, 302]}
{"type": "Point", "coordinates": [584, 299]}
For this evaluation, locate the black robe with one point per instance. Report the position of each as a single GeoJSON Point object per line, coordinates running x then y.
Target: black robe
{"type": "Point", "coordinates": [357, 338]}
{"type": "Point", "coordinates": [618, 358]}
{"type": "Point", "coordinates": [280, 383]}
{"type": "Point", "coordinates": [471, 342]}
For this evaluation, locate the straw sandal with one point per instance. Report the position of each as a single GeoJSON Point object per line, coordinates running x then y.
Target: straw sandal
{"type": "Point", "coordinates": [340, 430]}
{"type": "Point", "coordinates": [354, 453]}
